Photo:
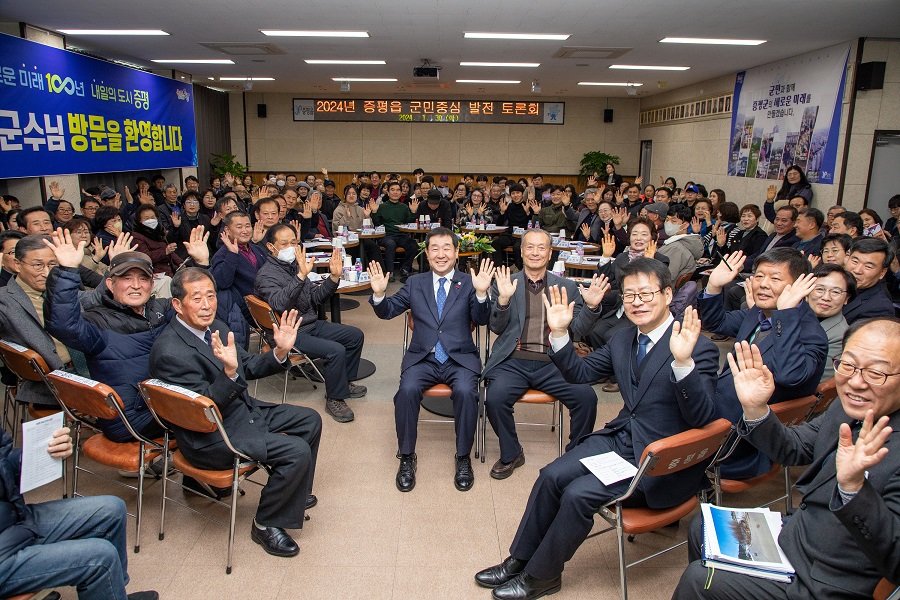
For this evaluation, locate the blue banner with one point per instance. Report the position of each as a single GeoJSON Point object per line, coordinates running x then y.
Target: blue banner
{"type": "Point", "coordinates": [64, 113]}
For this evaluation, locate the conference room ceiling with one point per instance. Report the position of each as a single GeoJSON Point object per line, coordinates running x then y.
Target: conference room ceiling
{"type": "Point", "coordinates": [404, 33]}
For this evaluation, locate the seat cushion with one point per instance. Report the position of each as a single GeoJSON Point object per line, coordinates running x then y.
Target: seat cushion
{"type": "Point", "coordinates": [118, 455]}
{"type": "Point", "coordinates": [536, 397]}
{"type": "Point", "coordinates": [219, 479]}
{"type": "Point", "coordinates": [736, 486]}
{"type": "Point", "coordinates": [644, 520]}
{"type": "Point", "coordinates": [438, 391]}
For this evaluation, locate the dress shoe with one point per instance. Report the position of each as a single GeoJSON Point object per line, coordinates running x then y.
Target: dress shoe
{"type": "Point", "coordinates": [525, 587]}
{"type": "Point", "coordinates": [338, 410]}
{"type": "Point", "coordinates": [406, 474]}
{"type": "Point", "coordinates": [311, 501]}
{"type": "Point", "coordinates": [500, 574]}
{"type": "Point", "coordinates": [274, 540]}
{"type": "Point", "coordinates": [357, 391]}
{"type": "Point", "coordinates": [502, 470]}
{"type": "Point", "coordinates": [147, 595]}
{"type": "Point", "coordinates": [718, 337]}
{"type": "Point", "coordinates": [465, 477]}
{"type": "Point", "coordinates": [610, 388]}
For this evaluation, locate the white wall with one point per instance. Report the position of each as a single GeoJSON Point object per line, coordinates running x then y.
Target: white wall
{"type": "Point", "coordinates": [279, 143]}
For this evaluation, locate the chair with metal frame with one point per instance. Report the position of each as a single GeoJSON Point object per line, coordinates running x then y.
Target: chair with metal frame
{"type": "Point", "coordinates": [176, 406]}
{"type": "Point", "coordinates": [84, 399]}
{"type": "Point", "coordinates": [28, 365]}
{"type": "Point", "coordinates": [264, 320]}
{"type": "Point", "coordinates": [662, 457]}
{"type": "Point", "coordinates": [438, 396]}
{"type": "Point", "coordinates": [529, 397]}
{"type": "Point", "coordinates": [885, 590]}
{"type": "Point", "coordinates": [789, 412]}
{"type": "Point", "coordinates": [826, 394]}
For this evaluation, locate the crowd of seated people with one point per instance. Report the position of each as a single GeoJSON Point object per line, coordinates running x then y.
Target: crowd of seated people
{"type": "Point", "coordinates": [112, 285]}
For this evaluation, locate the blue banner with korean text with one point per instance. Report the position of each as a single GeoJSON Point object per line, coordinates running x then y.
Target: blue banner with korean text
{"type": "Point", "coordinates": [64, 113]}
{"type": "Point", "coordinates": [789, 113]}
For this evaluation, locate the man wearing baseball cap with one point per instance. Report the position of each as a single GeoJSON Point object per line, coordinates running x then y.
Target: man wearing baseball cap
{"type": "Point", "coordinates": [657, 213]}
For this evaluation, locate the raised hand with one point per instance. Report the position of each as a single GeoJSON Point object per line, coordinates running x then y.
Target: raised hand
{"type": "Point", "coordinates": [585, 231]}
{"type": "Point", "coordinates": [748, 295]}
{"type": "Point", "coordinates": [56, 191]}
{"type": "Point", "coordinates": [721, 236]}
{"type": "Point", "coordinates": [504, 204]}
{"type": "Point", "coordinates": [296, 225]}
{"type": "Point", "coordinates": [620, 197]}
{"type": "Point", "coordinates": [145, 197]}
{"type": "Point", "coordinates": [470, 210]}
{"type": "Point", "coordinates": [695, 225]}
{"type": "Point", "coordinates": [228, 180]}
{"type": "Point", "coordinates": [559, 311]}
{"type": "Point", "coordinates": [67, 253]}
{"type": "Point", "coordinates": [854, 459]}
{"type": "Point", "coordinates": [794, 293]}
{"type": "Point", "coordinates": [482, 280]}
{"type": "Point", "coordinates": [259, 232]}
{"type": "Point", "coordinates": [286, 333]}
{"type": "Point", "coordinates": [325, 173]}
{"type": "Point", "coordinates": [128, 197]}
{"type": "Point", "coordinates": [639, 180]}
{"type": "Point", "coordinates": [593, 294]}
{"type": "Point", "coordinates": [98, 250]}
{"type": "Point", "coordinates": [226, 353]}
{"type": "Point", "coordinates": [414, 205]}
{"type": "Point", "coordinates": [725, 271]}
{"type": "Point", "coordinates": [197, 247]}
{"type": "Point", "coordinates": [592, 181]}
{"type": "Point", "coordinates": [506, 286]}
{"type": "Point", "coordinates": [650, 252]}
{"type": "Point", "coordinates": [814, 260]}
{"type": "Point", "coordinates": [176, 219]}
{"type": "Point", "coordinates": [619, 217]}
{"type": "Point", "coordinates": [229, 243]}
{"type": "Point", "coordinates": [373, 206]}
{"type": "Point", "coordinates": [609, 245]}
{"type": "Point", "coordinates": [753, 381]}
{"type": "Point", "coordinates": [367, 210]}
{"type": "Point", "coordinates": [771, 193]}
{"type": "Point", "coordinates": [335, 265]}
{"type": "Point", "coordinates": [170, 248]}
{"type": "Point", "coordinates": [684, 337]}
{"type": "Point", "coordinates": [122, 244]}
{"type": "Point", "coordinates": [306, 211]}
{"type": "Point", "coordinates": [378, 278]}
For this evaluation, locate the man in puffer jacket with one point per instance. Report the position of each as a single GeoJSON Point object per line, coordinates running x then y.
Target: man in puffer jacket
{"type": "Point", "coordinates": [682, 248]}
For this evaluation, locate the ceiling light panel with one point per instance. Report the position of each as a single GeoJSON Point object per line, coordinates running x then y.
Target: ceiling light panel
{"type": "Point", "coordinates": [112, 31]}
{"type": "Point", "coordinates": [365, 79]}
{"type": "Point", "coordinates": [193, 61]}
{"type": "Point", "coordinates": [499, 64]}
{"type": "Point", "coordinates": [487, 35]}
{"type": "Point", "coordinates": [313, 33]}
{"type": "Point", "coordinates": [711, 41]}
{"type": "Point", "coordinates": [648, 68]}
{"type": "Point", "coordinates": [246, 79]}
{"type": "Point", "coordinates": [508, 81]}
{"type": "Point", "coordinates": [311, 61]}
{"type": "Point", "coordinates": [611, 83]}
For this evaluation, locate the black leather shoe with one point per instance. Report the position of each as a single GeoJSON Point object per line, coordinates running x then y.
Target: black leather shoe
{"type": "Point", "coordinates": [525, 587]}
{"type": "Point", "coordinates": [311, 501]}
{"type": "Point", "coordinates": [502, 470]}
{"type": "Point", "coordinates": [406, 474]}
{"type": "Point", "coordinates": [465, 477]}
{"type": "Point", "coordinates": [500, 574]}
{"type": "Point", "coordinates": [147, 595]}
{"type": "Point", "coordinates": [274, 540]}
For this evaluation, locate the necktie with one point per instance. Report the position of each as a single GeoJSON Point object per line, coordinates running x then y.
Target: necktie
{"type": "Point", "coordinates": [207, 337]}
{"type": "Point", "coordinates": [761, 330]}
{"type": "Point", "coordinates": [439, 353]}
{"type": "Point", "coordinates": [643, 346]}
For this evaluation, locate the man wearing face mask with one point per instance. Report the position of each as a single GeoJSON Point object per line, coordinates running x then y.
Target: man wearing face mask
{"type": "Point", "coordinates": [682, 248]}
{"type": "Point", "coordinates": [283, 281]}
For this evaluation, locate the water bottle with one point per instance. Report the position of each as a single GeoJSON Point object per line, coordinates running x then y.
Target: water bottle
{"type": "Point", "coordinates": [427, 221]}
{"type": "Point", "coordinates": [358, 267]}
{"type": "Point", "coordinates": [579, 251]}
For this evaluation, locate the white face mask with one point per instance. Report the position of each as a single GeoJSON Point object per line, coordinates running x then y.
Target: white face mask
{"type": "Point", "coordinates": [671, 228]}
{"type": "Point", "coordinates": [287, 255]}
{"type": "Point", "coordinates": [150, 223]}
{"type": "Point", "coordinates": [280, 183]}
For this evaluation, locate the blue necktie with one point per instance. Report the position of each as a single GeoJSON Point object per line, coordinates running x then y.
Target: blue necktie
{"type": "Point", "coordinates": [439, 353]}
{"type": "Point", "coordinates": [643, 345]}
{"type": "Point", "coordinates": [761, 330]}
{"type": "Point", "coordinates": [207, 337]}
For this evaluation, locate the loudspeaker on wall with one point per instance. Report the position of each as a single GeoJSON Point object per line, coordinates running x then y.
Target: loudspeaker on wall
{"type": "Point", "coordinates": [261, 111]}
{"type": "Point", "coordinates": [870, 76]}
{"type": "Point", "coordinates": [608, 115]}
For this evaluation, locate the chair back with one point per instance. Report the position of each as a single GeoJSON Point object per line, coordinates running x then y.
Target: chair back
{"type": "Point", "coordinates": [686, 449]}
{"type": "Point", "coordinates": [180, 406]}
{"type": "Point", "coordinates": [794, 412]}
{"type": "Point", "coordinates": [27, 364]}
{"type": "Point", "coordinates": [826, 393]}
{"type": "Point", "coordinates": [84, 396]}
{"type": "Point", "coordinates": [261, 312]}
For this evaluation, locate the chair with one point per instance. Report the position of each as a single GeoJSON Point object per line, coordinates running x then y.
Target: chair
{"type": "Point", "coordinates": [27, 365]}
{"type": "Point", "coordinates": [84, 399]}
{"type": "Point", "coordinates": [35, 596]}
{"type": "Point", "coordinates": [885, 590]}
{"type": "Point", "coordinates": [790, 412]}
{"type": "Point", "coordinates": [264, 323]}
{"type": "Point", "coordinates": [173, 405]}
{"type": "Point", "coordinates": [662, 457]}
{"type": "Point", "coordinates": [826, 394]}
{"type": "Point", "coordinates": [529, 397]}
{"type": "Point", "coordinates": [436, 399]}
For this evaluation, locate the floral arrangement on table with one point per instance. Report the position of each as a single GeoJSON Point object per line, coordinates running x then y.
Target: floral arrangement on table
{"type": "Point", "coordinates": [469, 242]}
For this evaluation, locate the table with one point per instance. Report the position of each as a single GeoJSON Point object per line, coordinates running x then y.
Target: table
{"type": "Point", "coordinates": [327, 244]}
{"type": "Point", "coordinates": [494, 231]}
{"type": "Point", "coordinates": [588, 247]}
{"type": "Point", "coordinates": [362, 247]}
{"type": "Point", "coordinates": [415, 232]}
{"type": "Point", "coordinates": [586, 266]}
{"type": "Point", "coordinates": [366, 367]}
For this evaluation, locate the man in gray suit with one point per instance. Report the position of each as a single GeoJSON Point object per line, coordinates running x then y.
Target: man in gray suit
{"type": "Point", "coordinates": [843, 538]}
{"type": "Point", "coordinates": [519, 360]}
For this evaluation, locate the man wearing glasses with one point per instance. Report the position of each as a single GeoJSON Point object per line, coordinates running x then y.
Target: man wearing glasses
{"type": "Point", "coordinates": [842, 540]}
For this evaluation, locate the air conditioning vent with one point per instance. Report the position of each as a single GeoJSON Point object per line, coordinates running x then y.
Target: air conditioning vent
{"type": "Point", "coordinates": [244, 48]}
{"type": "Point", "coordinates": [591, 52]}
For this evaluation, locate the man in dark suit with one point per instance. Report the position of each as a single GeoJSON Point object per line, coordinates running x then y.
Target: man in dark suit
{"type": "Point", "coordinates": [191, 353]}
{"type": "Point", "coordinates": [868, 262]}
{"type": "Point", "coordinates": [667, 375]}
{"type": "Point", "coordinates": [785, 328]}
{"type": "Point", "coordinates": [443, 304]}
{"type": "Point", "coordinates": [234, 267]}
{"type": "Point", "coordinates": [843, 539]}
{"type": "Point", "coordinates": [518, 359]}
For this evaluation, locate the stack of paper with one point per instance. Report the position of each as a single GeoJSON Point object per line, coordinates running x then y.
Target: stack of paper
{"type": "Point", "coordinates": [744, 540]}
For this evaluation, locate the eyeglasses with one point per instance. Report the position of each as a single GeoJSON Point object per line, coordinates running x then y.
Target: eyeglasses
{"type": "Point", "coordinates": [629, 297]}
{"type": "Point", "coordinates": [871, 376]}
{"type": "Point", "coordinates": [40, 267]}
{"type": "Point", "coordinates": [830, 292]}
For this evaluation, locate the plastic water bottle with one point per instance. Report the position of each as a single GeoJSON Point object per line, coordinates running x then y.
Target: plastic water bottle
{"type": "Point", "coordinates": [579, 251]}
{"type": "Point", "coordinates": [358, 267]}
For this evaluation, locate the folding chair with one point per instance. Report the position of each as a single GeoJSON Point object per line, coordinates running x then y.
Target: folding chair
{"type": "Point", "coordinates": [529, 397]}
{"type": "Point", "coordinates": [27, 365]}
{"type": "Point", "coordinates": [174, 405]}
{"type": "Point", "coordinates": [663, 457]}
{"type": "Point", "coordinates": [885, 590]}
{"type": "Point", "coordinates": [826, 394]}
{"type": "Point", "coordinates": [84, 399]}
{"type": "Point", "coordinates": [264, 321]}
{"type": "Point", "coordinates": [790, 412]}
{"type": "Point", "coordinates": [436, 399]}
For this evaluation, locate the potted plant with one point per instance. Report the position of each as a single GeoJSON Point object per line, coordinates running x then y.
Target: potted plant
{"type": "Point", "coordinates": [594, 163]}
{"type": "Point", "coordinates": [227, 163]}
